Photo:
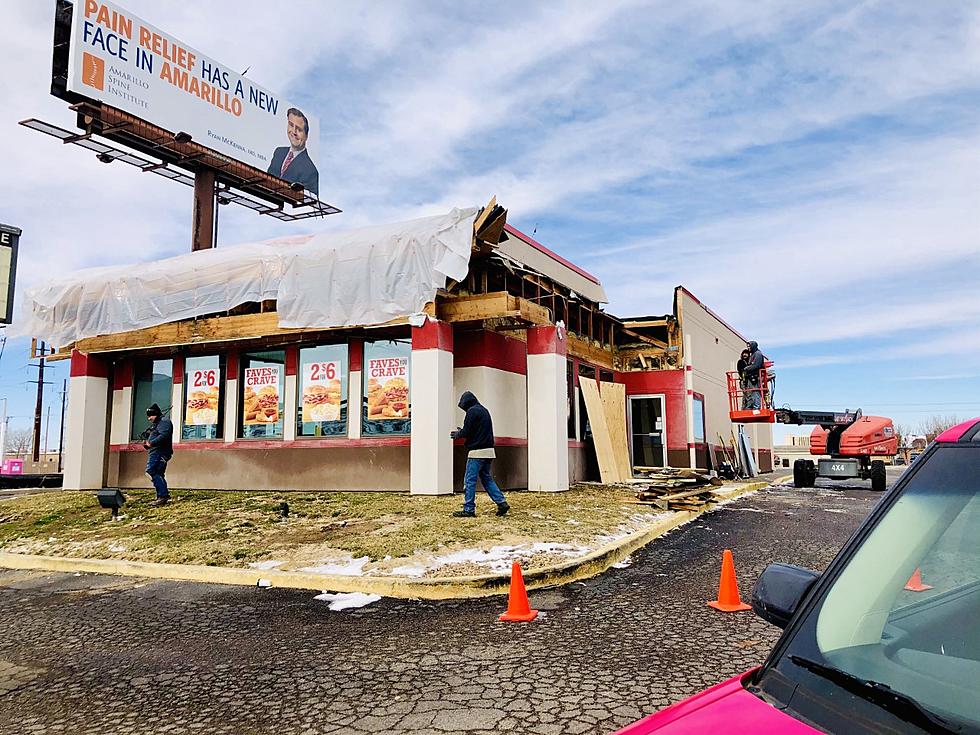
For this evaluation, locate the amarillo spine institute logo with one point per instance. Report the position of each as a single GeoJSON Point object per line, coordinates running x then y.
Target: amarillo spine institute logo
{"type": "Point", "coordinates": [93, 71]}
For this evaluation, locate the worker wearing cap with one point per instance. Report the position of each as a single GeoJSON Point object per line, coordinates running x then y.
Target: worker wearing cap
{"type": "Point", "coordinates": [160, 445]}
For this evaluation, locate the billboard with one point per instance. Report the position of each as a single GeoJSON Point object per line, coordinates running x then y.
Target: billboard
{"type": "Point", "coordinates": [9, 241]}
{"type": "Point", "coordinates": [120, 60]}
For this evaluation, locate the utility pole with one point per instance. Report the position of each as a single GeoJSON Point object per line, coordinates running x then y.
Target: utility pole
{"type": "Point", "coordinates": [47, 430]}
{"type": "Point", "coordinates": [38, 406]}
{"type": "Point", "coordinates": [61, 432]}
{"type": "Point", "coordinates": [3, 432]}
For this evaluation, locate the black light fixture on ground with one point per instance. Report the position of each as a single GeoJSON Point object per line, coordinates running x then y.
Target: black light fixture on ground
{"type": "Point", "coordinates": [111, 498]}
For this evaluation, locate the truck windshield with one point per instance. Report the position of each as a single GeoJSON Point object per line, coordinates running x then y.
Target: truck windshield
{"type": "Point", "coordinates": [903, 615]}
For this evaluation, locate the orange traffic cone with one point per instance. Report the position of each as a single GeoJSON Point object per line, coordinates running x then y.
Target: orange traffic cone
{"type": "Point", "coordinates": [728, 598]}
{"type": "Point", "coordinates": [915, 583]}
{"type": "Point", "coordinates": [518, 606]}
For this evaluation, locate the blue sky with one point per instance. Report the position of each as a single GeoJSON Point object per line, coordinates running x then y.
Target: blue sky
{"type": "Point", "coordinates": [809, 170]}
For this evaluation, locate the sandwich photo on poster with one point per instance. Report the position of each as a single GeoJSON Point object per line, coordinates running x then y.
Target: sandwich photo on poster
{"type": "Point", "coordinates": [387, 388]}
{"type": "Point", "coordinates": [321, 391]}
{"type": "Point", "coordinates": [261, 404]}
{"type": "Point", "coordinates": [201, 408]}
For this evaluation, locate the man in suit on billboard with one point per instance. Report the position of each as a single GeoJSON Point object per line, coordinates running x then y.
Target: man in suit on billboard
{"type": "Point", "coordinates": [293, 162]}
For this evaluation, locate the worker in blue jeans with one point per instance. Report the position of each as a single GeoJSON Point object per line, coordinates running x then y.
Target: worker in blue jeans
{"type": "Point", "coordinates": [159, 444]}
{"type": "Point", "coordinates": [478, 433]}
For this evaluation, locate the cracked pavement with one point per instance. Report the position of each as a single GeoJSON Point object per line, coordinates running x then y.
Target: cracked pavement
{"type": "Point", "coordinates": [100, 655]}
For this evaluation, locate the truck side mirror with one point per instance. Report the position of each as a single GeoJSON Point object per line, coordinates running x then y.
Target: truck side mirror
{"type": "Point", "coordinates": [779, 591]}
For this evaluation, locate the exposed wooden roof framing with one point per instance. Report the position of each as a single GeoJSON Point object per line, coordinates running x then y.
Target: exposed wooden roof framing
{"type": "Point", "coordinates": [499, 294]}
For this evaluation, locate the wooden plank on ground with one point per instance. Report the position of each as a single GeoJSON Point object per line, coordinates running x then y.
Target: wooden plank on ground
{"type": "Point", "coordinates": [608, 469]}
{"type": "Point", "coordinates": [614, 404]}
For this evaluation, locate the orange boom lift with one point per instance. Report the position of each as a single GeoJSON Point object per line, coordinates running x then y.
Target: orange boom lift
{"type": "Point", "coordinates": [850, 438]}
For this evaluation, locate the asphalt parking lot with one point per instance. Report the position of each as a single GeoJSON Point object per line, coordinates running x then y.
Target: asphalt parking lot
{"type": "Point", "coordinates": [93, 654]}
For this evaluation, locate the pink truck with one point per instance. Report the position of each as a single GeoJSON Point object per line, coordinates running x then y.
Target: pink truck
{"type": "Point", "coordinates": [886, 639]}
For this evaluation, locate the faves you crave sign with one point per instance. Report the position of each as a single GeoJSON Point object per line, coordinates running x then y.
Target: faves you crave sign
{"type": "Point", "coordinates": [125, 62]}
{"type": "Point", "coordinates": [388, 388]}
{"type": "Point", "coordinates": [260, 404]}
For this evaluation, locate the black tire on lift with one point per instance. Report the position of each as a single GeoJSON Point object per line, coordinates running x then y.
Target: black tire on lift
{"type": "Point", "coordinates": [799, 473]}
{"type": "Point", "coordinates": [878, 480]}
{"type": "Point", "coordinates": [811, 472]}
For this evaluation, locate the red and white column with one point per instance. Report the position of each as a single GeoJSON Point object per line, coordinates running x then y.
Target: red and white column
{"type": "Point", "coordinates": [547, 423]}
{"type": "Point", "coordinates": [355, 395]}
{"type": "Point", "coordinates": [432, 409]}
{"type": "Point", "coordinates": [85, 422]}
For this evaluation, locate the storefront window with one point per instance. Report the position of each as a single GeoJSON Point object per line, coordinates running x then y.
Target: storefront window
{"type": "Point", "coordinates": [260, 396]}
{"type": "Point", "coordinates": [204, 409]}
{"type": "Point", "coordinates": [698, 413]}
{"type": "Point", "coordinates": [153, 382]}
{"type": "Point", "coordinates": [387, 387]}
{"type": "Point", "coordinates": [322, 409]}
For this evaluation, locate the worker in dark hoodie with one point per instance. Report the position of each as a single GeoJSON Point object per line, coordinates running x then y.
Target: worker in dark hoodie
{"type": "Point", "coordinates": [752, 389]}
{"type": "Point", "coordinates": [477, 432]}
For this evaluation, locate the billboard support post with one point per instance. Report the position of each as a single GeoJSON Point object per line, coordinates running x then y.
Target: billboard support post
{"type": "Point", "coordinates": [202, 232]}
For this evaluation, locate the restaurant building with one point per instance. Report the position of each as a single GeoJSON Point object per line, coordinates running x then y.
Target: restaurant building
{"type": "Point", "coordinates": [335, 362]}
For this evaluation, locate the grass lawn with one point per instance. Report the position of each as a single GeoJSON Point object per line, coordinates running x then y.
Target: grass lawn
{"type": "Point", "coordinates": [239, 528]}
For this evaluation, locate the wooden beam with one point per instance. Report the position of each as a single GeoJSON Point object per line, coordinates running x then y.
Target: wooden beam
{"type": "Point", "coordinates": [643, 338]}
{"type": "Point", "coordinates": [638, 324]}
{"type": "Point", "coordinates": [205, 331]}
{"type": "Point", "coordinates": [582, 348]}
{"type": "Point", "coordinates": [495, 305]}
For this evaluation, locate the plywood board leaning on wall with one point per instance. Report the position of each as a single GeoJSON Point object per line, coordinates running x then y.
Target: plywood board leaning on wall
{"type": "Point", "coordinates": [605, 456]}
{"type": "Point", "coordinates": [607, 417]}
{"type": "Point", "coordinates": [614, 406]}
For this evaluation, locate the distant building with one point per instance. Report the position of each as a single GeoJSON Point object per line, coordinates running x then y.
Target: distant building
{"type": "Point", "coordinates": [796, 447]}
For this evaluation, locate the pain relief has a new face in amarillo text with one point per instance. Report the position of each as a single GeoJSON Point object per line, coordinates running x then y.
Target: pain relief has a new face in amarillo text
{"type": "Point", "coordinates": [129, 64]}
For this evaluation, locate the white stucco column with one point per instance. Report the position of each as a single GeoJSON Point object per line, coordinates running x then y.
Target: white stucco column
{"type": "Point", "coordinates": [231, 398]}
{"type": "Point", "coordinates": [547, 423]}
{"type": "Point", "coordinates": [85, 423]}
{"type": "Point", "coordinates": [289, 414]}
{"type": "Point", "coordinates": [355, 397]}
{"type": "Point", "coordinates": [432, 409]}
{"type": "Point", "coordinates": [122, 403]}
{"type": "Point", "coordinates": [177, 406]}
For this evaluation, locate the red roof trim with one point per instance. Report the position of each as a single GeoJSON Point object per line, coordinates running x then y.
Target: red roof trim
{"type": "Point", "coordinates": [550, 253]}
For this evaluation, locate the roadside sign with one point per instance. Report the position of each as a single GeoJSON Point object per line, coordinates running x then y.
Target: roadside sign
{"type": "Point", "coordinates": [9, 241]}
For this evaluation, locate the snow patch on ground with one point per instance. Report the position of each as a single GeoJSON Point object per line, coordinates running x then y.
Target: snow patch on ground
{"type": "Point", "coordinates": [347, 600]}
{"type": "Point", "coordinates": [628, 561]}
{"type": "Point", "coordinates": [270, 564]}
{"type": "Point", "coordinates": [116, 548]}
{"type": "Point", "coordinates": [348, 568]}
{"type": "Point", "coordinates": [497, 559]}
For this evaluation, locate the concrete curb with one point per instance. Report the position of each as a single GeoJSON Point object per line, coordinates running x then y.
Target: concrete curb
{"type": "Point", "coordinates": [433, 588]}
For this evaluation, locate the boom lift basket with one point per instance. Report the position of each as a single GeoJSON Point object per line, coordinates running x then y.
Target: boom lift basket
{"type": "Point", "coordinates": [751, 405]}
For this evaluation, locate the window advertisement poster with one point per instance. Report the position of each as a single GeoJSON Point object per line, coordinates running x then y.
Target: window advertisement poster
{"type": "Point", "coordinates": [123, 61]}
{"type": "Point", "coordinates": [203, 388]}
{"type": "Point", "coordinates": [261, 400]}
{"type": "Point", "coordinates": [322, 391]}
{"type": "Point", "coordinates": [388, 388]}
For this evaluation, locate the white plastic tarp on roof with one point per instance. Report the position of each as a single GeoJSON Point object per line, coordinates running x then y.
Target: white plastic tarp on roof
{"type": "Point", "coordinates": [359, 277]}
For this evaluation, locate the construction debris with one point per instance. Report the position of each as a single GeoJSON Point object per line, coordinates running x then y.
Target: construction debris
{"type": "Point", "coordinates": [669, 488]}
